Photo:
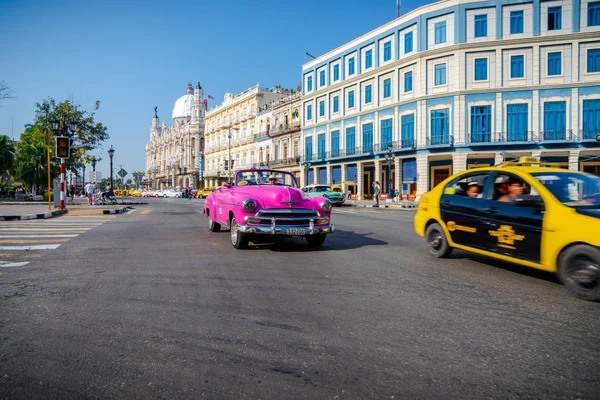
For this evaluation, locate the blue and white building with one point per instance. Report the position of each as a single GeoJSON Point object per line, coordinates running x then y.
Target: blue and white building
{"type": "Point", "coordinates": [453, 85]}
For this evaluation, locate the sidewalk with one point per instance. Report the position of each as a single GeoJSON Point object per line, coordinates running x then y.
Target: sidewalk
{"type": "Point", "coordinates": [25, 210]}
{"type": "Point", "coordinates": [382, 204]}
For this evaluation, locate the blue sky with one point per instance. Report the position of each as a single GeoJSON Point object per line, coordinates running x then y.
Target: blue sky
{"type": "Point", "coordinates": [133, 55]}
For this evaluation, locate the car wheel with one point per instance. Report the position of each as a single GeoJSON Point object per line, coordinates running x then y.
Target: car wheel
{"type": "Point", "coordinates": [579, 271]}
{"type": "Point", "coordinates": [316, 241]}
{"type": "Point", "coordinates": [239, 240]}
{"type": "Point", "coordinates": [437, 243]}
{"type": "Point", "coordinates": [212, 225]}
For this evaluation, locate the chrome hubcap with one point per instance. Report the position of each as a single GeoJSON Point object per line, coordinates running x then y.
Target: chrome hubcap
{"type": "Point", "coordinates": [435, 241]}
{"type": "Point", "coordinates": [585, 272]}
{"type": "Point", "coordinates": [234, 232]}
{"type": "Point", "coordinates": [210, 222]}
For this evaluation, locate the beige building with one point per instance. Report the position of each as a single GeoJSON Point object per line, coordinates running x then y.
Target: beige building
{"type": "Point", "coordinates": [231, 128]}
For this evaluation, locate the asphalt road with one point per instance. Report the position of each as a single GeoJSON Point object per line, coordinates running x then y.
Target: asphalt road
{"type": "Point", "coordinates": [152, 305]}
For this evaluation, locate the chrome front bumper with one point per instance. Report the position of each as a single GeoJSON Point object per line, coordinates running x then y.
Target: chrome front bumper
{"type": "Point", "coordinates": [286, 230]}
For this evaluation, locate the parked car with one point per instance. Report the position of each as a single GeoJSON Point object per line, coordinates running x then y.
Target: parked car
{"type": "Point", "coordinates": [264, 205]}
{"type": "Point", "coordinates": [148, 193]}
{"type": "Point", "coordinates": [336, 198]}
{"type": "Point", "coordinates": [203, 193]}
{"type": "Point", "coordinates": [171, 193]}
{"type": "Point", "coordinates": [159, 193]}
{"type": "Point", "coordinates": [528, 213]}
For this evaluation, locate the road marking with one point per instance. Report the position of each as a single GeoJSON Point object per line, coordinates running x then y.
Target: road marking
{"type": "Point", "coordinates": [44, 229]}
{"type": "Point", "coordinates": [145, 212]}
{"type": "Point", "coordinates": [35, 236]}
{"type": "Point", "coordinates": [25, 241]}
{"type": "Point", "coordinates": [6, 264]}
{"type": "Point", "coordinates": [28, 248]}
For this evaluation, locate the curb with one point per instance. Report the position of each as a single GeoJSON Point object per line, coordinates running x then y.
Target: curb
{"type": "Point", "coordinates": [115, 211]}
{"type": "Point", "coordinates": [45, 215]}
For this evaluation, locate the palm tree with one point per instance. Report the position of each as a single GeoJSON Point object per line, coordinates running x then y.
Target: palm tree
{"type": "Point", "coordinates": [7, 157]}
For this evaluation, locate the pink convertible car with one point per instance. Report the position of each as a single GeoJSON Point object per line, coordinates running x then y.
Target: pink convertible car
{"type": "Point", "coordinates": [263, 205]}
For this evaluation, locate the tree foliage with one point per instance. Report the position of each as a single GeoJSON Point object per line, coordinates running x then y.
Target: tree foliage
{"type": "Point", "coordinates": [5, 92]}
{"type": "Point", "coordinates": [33, 141]}
{"type": "Point", "coordinates": [7, 157]}
{"type": "Point", "coordinates": [138, 176]}
{"type": "Point", "coordinates": [89, 134]}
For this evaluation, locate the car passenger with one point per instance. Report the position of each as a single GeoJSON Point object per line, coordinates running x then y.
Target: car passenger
{"type": "Point", "coordinates": [515, 189]}
{"type": "Point", "coordinates": [473, 189]}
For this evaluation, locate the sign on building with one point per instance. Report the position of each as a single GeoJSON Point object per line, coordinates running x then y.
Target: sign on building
{"type": "Point", "coordinates": [200, 161]}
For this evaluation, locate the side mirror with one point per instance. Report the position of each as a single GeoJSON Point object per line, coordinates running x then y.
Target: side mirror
{"type": "Point", "coordinates": [530, 201]}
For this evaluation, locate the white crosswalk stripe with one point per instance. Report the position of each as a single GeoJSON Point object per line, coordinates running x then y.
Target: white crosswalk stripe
{"type": "Point", "coordinates": [27, 240]}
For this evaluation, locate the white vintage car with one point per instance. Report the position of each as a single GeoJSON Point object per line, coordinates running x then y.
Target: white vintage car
{"type": "Point", "coordinates": [171, 193]}
{"type": "Point", "coordinates": [159, 193]}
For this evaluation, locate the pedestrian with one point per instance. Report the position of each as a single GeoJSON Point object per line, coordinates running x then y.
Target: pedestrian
{"type": "Point", "coordinates": [376, 190]}
{"type": "Point", "coordinates": [349, 194]}
{"type": "Point", "coordinates": [72, 192]}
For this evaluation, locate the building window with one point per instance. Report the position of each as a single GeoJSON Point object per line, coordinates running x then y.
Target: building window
{"type": "Point", "coordinates": [368, 90]}
{"type": "Point", "coordinates": [440, 128]}
{"type": "Point", "coordinates": [593, 60]}
{"type": "Point", "coordinates": [386, 133]}
{"type": "Point", "coordinates": [554, 64]}
{"type": "Point", "coordinates": [387, 51]}
{"type": "Point", "coordinates": [351, 99]}
{"type": "Point", "coordinates": [440, 32]}
{"type": "Point", "coordinates": [351, 66]}
{"type": "Point", "coordinates": [517, 122]}
{"type": "Point", "coordinates": [408, 82]}
{"type": "Point", "coordinates": [408, 42]}
{"type": "Point", "coordinates": [481, 118]}
{"type": "Point", "coordinates": [591, 119]}
{"type": "Point", "coordinates": [309, 84]}
{"type": "Point", "coordinates": [309, 112]}
{"type": "Point", "coordinates": [321, 108]}
{"type": "Point", "coordinates": [481, 25]}
{"type": "Point", "coordinates": [481, 69]}
{"type": "Point", "coordinates": [516, 22]}
{"type": "Point", "coordinates": [517, 69]}
{"type": "Point", "coordinates": [594, 13]}
{"type": "Point", "coordinates": [336, 104]}
{"type": "Point", "coordinates": [335, 143]}
{"type": "Point", "coordinates": [321, 146]}
{"type": "Point", "coordinates": [554, 18]}
{"type": "Point", "coordinates": [322, 78]}
{"type": "Point", "coordinates": [408, 130]}
{"type": "Point", "coordinates": [368, 59]}
{"type": "Point", "coordinates": [367, 138]}
{"type": "Point", "coordinates": [387, 88]}
{"type": "Point", "coordinates": [308, 148]}
{"type": "Point", "coordinates": [336, 73]}
{"type": "Point", "coordinates": [555, 120]}
{"type": "Point", "coordinates": [350, 141]}
{"type": "Point", "coordinates": [440, 74]}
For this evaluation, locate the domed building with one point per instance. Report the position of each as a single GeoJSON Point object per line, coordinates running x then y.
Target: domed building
{"type": "Point", "coordinates": [174, 154]}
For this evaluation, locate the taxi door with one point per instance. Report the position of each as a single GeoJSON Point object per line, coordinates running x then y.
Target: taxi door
{"type": "Point", "coordinates": [513, 230]}
{"type": "Point", "coordinates": [461, 214]}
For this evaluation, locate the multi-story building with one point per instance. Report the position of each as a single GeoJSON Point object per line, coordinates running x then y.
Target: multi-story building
{"type": "Point", "coordinates": [230, 132]}
{"type": "Point", "coordinates": [454, 85]}
{"type": "Point", "coordinates": [278, 134]}
{"type": "Point", "coordinates": [174, 154]}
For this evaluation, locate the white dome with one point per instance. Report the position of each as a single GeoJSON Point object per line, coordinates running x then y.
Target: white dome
{"type": "Point", "coordinates": [183, 106]}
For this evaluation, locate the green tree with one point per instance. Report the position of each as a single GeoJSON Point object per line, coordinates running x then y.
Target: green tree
{"type": "Point", "coordinates": [137, 178]}
{"type": "Point", "coordinates": [7, 158]}
{"type": "Point", "coordinates": [33, 141]}
{"type": "Point", "coordinates": [5, 92]}
{"type": "Point", "coordinates": [89, 134]}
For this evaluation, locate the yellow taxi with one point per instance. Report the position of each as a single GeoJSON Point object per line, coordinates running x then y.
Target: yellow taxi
{"type": "Point", "coordinates": [203, 193]}
{"type": "Point", "coordinates": [525, 212]}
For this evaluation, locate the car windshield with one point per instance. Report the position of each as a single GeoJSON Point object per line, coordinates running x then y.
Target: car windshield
{"type": "Point", "coordinates": [571, 188]}
{"type": "Point", "coordinates": [264, 177]}
{"type": "Point", "coordinates": [321, 189]}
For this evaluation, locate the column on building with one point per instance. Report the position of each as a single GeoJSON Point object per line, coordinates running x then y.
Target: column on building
{"type": "Point", "coordinates": [574, 160]}
{"type": "Point", "coordinates": [378, 176]}
{"type": "Point", "coordinates": [328, 168]}
{"type": "Point", "coordinates": [315, 176]}
{"type": "Point", "coordinates": [344, 173]}
{"type": "Point", "coordinates": [459, 161]}
{"type": "Point", "coordinates": [422, 175]}
{"type": "Point", "coordinates": [398, 176]}
{"type": "Point", "coordinates": [359, 180]}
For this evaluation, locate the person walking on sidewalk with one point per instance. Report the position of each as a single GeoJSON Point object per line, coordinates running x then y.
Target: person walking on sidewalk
{"type": "Point", "coordinates": [377, 190]}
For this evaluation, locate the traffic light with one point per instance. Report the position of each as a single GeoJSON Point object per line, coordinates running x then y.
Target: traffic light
{"type": "Point", "coordinates": [63, 147]}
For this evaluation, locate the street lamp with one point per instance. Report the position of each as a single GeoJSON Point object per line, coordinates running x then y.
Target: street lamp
{"type": "Point", "coordinates": [306, 166]}
{"type": "Point", "coordinates": [38, 156]}
{"type": "Point", "coordinates": [389, 157]}
{"type": "Point", "coordinates": [94, 168]}
{"type": "Point", "coordinates": [111, 153]}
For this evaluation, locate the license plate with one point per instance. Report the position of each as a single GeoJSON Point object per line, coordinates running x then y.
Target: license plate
{"type": "Point", "coordinates": [294, 232]}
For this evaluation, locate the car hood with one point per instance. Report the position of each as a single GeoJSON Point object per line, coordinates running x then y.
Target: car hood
{"type": "Point", "coordinates": [276, 196]}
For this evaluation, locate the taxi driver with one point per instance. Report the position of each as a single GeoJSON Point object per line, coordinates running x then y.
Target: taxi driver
{"type": "Point", "coordinates": [515, 189]}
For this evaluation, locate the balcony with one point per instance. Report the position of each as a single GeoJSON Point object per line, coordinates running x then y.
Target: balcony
{"type": "Point", "coordinates": [261, 135]}
{"type": "Point", "coordinates": [589, 135]}
{"type": "Point", "coordinates": [557, 136]}
{"type": "Point", "coordinates": [285, 162]}
{"type": "Point", "coordinates": [440, 140]}
{"type": "Point", "coordinates": [284, 129]}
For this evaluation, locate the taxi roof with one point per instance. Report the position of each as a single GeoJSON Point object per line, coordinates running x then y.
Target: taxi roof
{"type": "Point", "coordinates": [529, 165]}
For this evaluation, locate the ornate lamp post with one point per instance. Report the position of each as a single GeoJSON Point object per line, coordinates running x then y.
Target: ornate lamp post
{"type": "Point", "coordinates": [38, 156]}
{"type": "Point", "coordinates": [83, 172]}
{"type": "Point", "coordinates": [111, 153]}
{"type": "Point", "coordinates": [94, 168]}
{"type": "Point", "coordinates": [306, 166]}
{"type": "Point", "coordinates": [389, 157]}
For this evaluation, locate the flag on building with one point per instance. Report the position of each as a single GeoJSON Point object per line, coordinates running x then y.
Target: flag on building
{"type": "Point", "coordinates": [210, 97]}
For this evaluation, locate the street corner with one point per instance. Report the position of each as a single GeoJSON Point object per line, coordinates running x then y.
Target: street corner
{"type": "Point", "coordinates": [120, 210]}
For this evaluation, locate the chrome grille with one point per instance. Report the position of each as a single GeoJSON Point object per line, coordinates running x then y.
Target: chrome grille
{"type": "Point", "coordinates": [287, 217]}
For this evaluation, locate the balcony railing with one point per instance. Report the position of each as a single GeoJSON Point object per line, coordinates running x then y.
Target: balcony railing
{"type": "Point", "coordinates": [557, 135]}
{"type": "Point", "coordinates": [283, 129]}
{"type": "Point", "coordinates": [588, 135]}
{"type": "Point", "coordinates": [290, 161]}
{"type": "Point", "coordinates": [440, 140]}
{"type": "Point", "coordinates": [261, 134]}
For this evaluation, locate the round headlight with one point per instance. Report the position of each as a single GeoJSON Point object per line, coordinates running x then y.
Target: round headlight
{"type": "Point", "coordinates": [326, 205]}
{"type": "Point", "coordinates": [249, 205]}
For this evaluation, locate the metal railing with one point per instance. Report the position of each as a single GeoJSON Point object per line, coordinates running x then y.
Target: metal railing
{"type": "Point", "coordinates": [440, 140]}
{"type": "Point", "coordinates": [557, 135]}
{"type": "Point", "coordinates": [286, 161]}
{"type": "Point", "coordinates": [588, 134]}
